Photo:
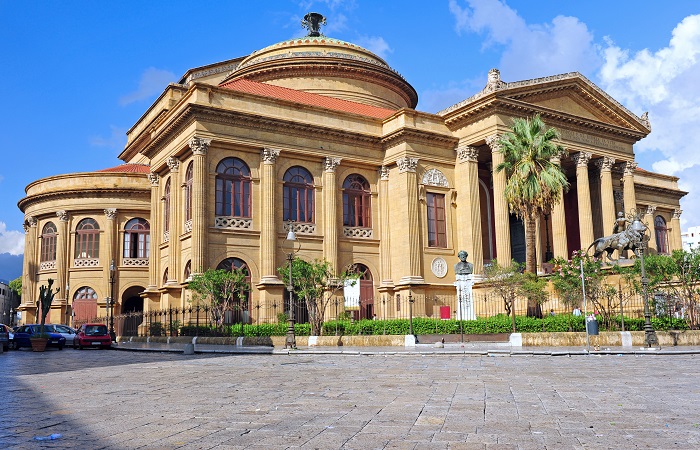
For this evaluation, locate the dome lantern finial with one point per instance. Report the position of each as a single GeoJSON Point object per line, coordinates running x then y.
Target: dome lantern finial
{"type": "Point", "coordinates": [312, 22]}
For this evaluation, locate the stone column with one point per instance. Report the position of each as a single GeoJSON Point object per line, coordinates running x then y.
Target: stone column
{"type": "Point", "coordinates": [468, 208]}
{"type": "Point", "coordinates": [583, 194]}
{"type": "Point", "coordinates": [630, 198]}
{"type": "Point", "coordinates": [62, 255]}
{"type": "Point", "coordinates": [607, 200]}
{"type": "Point", "coordinates": [268, 231]}
{"type": "Point", "coordinates": [559, 244]}
{"type": "Point", "coordinates": [649, 220]}
{"type": "Point", "coordinates": [30, 265]}
{"type": "Point", "coordinates": [154, 258]}
{"type": "Point", "coordinates": [385, 224]}
{"type": "Point", "coordinates": [200, 204]}
{"type": "Point", "coordinates": [411, 256]}
{"type": "Point", "coordinates": [175, 222]}
{"type": "Point", "coordinates": [675, 238]}
{"type": "Point", "coordinates": [501, 215]}
{"type": "Point", "coordinates": [330, 213]}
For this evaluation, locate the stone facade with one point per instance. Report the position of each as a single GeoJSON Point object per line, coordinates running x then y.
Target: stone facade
{"type": "Point", "coordinates": [387, 188]}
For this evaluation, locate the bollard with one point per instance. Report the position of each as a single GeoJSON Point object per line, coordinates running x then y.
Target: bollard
{"type": "Point", "coordinates": [189, 349]}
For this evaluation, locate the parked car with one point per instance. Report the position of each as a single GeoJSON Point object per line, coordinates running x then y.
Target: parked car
{"type": "Point", "coordinates": [92, 335]}
{"type": "Point", "coordinates": [5, 332]}
{"type": "Point", "coordinates": [25, 332]}
{"type": "Point", "coordinates": [65, 331]}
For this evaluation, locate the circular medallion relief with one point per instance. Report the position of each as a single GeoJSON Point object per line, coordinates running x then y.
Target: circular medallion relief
{"type": "Point", "coordinates": [439, 267]}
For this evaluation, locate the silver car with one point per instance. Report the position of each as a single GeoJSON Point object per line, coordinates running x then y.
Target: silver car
{"type": "Point", "coordinates": [65, 331]}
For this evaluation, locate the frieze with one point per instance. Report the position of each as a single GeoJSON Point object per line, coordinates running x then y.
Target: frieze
{"type": "Point", "coordinates": [213, 71]}
{"type": "Point", "coordinates": [588, 139]}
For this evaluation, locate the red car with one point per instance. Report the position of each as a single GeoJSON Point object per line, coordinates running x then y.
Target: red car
{"type": "Point", "coordinates": [92, 335]}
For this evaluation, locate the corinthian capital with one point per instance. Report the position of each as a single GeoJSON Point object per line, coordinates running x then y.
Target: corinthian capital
{"type": "Point", "coordinates": [407, 164]}
{"type": "Point", "coordinates": [384, 173]}
{"type": "Point", "coordinates": [331, 163]}
{"type": "Point", "coordinates": [467, 153]}
{"type": "Point", "coordinates": [269, 155]}
{"type": "Point", "coordinates": [677, 213]}
{"type": "Point", "coordinates": [173, 163]}
{"type": "Point", "coordinates": [29, 222]}
{"type": "Point", "coordinates": [605, 163]}
{"type": "Point", "coordinates": [494, 142]}
{"type": "Point", "coordinates": [62, 215]}
{"type": "Point", "coordinates": [581, 158]}
{"type": "Point", "coordinates": [111, 213]}
{"type": "Point", "coordinates": [199, 146]}
{"type": "Point", "coordinates": [651, 210]}
{"type": "Point", "coordinates": [629, 168]}
{"type": "Point", "coordinates": [153, 178]}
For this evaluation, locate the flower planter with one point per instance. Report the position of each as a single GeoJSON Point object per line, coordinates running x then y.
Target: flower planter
{"type": "Point", "coordinates": [39, 344]}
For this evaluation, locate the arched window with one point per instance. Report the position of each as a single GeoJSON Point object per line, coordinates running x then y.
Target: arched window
{"type": "Point", "coordinates": [239, 305]}
{"type": "Point", "coordinates": [48, 242]}
{"type": "Point", "coordinates": [188, 270]}
{"type": "Point", "coordinates": [233, 188]}
{"type": "Point", "coordinates": [137, 239]}
{"type": "Point", "coordinates": [298, 195]}
{"type": "Point", "coordinates": [166, 206]}
{"type": "Point", "coordinates": [85, 293]}
{"type": "Point", "coordinates": [357, 206]}
{"type": "Point", "coordinates": [188, 193]}
{"type": "Point", "coordinates": [661, 234]}
{"type": "Point", "coordinates": [87, 239]}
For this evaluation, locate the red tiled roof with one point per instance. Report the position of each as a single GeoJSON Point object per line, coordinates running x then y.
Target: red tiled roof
{"type": "Point", "coordinates": [307, 98]}
{"type": "Point", "coordinates": [128, 168]}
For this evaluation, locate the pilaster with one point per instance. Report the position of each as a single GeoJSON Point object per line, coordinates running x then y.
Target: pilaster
{"type": "Point", "coordinates": [330, 212]}
{"type": "Point", "coordinates": [268, 232]}
{"type": "Point", "coordinates": [410, 258]}
{"type": "Point", "coordinates": [469, 209]}
{"type": "Point", "coordinates": [385, 233]}
{"type": "Point", "coordinates": [501, 215]}
{"type": "Point", "coordinates": [154, 258]}
{"type": "Point", "coordinates": [629, 196]}
{"type": "Point", "coordinates": [31, 261]}
{"type": "Point", "coordinates": [200, 203]}
{"type": "Point", "coordinates": [62, 255]}
{"type": "Point", "coordinates": [649, 220]}
{"type": "Point", "coordinates": [583, 194]}
{"type": "Point", "coordinates": [175, 222]}
{"type": "Point", "coordinates": [676, 240]}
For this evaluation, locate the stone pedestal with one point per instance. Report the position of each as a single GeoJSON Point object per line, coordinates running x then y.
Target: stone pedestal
{"type": "Point", "coordinates": [465, 302]}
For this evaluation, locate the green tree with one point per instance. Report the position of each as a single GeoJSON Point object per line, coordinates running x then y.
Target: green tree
{"type": "Point", "coordinates": [534, 183]}
{"type": "Point", "coordinates": [220, 289]}
{"type": "Point", "coordinates": [314, 284]}
{"type": "Point", "coordinates": [16, 286]}
{"type": "Point", "coordinates": [506, 282]}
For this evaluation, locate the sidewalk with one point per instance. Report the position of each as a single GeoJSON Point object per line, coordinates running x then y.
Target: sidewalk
{"type": "Point", "coordinates": [469, 349]}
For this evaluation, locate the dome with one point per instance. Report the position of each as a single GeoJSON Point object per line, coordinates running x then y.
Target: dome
{"type": "Point", "coordinates": [330, 67]}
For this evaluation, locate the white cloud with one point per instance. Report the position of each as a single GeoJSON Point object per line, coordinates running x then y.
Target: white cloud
{"type": "Point", "coordinates": [11, 241]}
{"type": "Point", "coordinates": [665, 83]}
{"type": "Point", "coordinates": [375, 44]}
{"type": "Point", "coordinates": [529, 50]}
{"type": "Point", "coordinates": [153, 81]}
{"type": "Point", "coordinates": [116, 139]}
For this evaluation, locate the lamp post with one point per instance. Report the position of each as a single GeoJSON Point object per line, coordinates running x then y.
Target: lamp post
{"type": "Point", "coordinates": [112, 272]}
{"type": "Point", "coordinates": [650, 337]}
{"type": "Point", "coordinates": [410, 312]}
{"type": "Point", "coordinates": [295, 246]}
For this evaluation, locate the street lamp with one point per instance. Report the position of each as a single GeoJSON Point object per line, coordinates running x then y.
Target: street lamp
{"type": "Point", "coordinates": [295, 246]}
{"type": "Point", "coordinates": [649, 334]}
{"type": "Point", "coordinates": [112, 272]}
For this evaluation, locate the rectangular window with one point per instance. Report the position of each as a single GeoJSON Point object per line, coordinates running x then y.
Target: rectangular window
{"type": "Point", "coordinates": [437, 223]}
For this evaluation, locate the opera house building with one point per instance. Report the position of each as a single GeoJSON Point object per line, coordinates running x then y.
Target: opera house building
{"type": "Point", "coordinates": [325, 133]}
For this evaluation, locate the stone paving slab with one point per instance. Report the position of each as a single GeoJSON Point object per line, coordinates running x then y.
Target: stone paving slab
{"type": "Point", "coordinates": [308, 400]}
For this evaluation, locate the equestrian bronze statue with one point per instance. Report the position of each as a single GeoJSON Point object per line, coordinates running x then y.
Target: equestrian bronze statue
{"type": "Point", "coordinates": [631, 238]}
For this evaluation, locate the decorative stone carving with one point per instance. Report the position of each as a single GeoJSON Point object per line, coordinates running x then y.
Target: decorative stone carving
{"type": "Point", "coordinates": [188, 226]}
{"type": "Point", "coordinates": [357, 232]}
{"type": "Point", "coordinates": [581, 158]}
{"type": "Point", "coordinates": [199, 146]}
{"type": "Point", "coordinates": [29, 222]}
{"type": "Point", "coordinates": [62, 215]}
{"type": "Point", "coordinates": [439, 267]}
{"type": "Point", "coordinates": [605, 163]}
{"type": "Point", "coordinates": [629, 167]}
{"type": "Point", "coordinates": [86, 262]}
{"type": "Point", "coordinates": [384, 173]}
{"type": "Point", "coordinates": [651, 210]}
{"type": "Point", "coordinates": [135, 262]}
{"type": "Point", "coordinates": [111, 213]}
{"type": "Point", "coordinates": [331, 163]}
{"type": "Point", "coordinates": [166, 236]}
{"type": "Point", "coordinates": [645, 120]}
{"type": "Point", "coordinates": [467, 153]}
{"type": "Point", "coordinates": [494, 143]}
{"type": "Point", "coordinates": [47, 265]}
{"type": "Point", "coordinates": [233, 223]}
{"type": "Point", "coordinates": [301, 228]}
{"type": "Point", "coordinates": [619, 196]}
{"type": "Point", "coordinates": [312, 22]}
{"type": "Point", "coordinates": [173, 163]}
{"type": "Point", "coordinates": [153, 178]}
{"type": "Point", "coordinates": [677, 213]}
{"type": "Point", "coordinates": [269, 155]}
{"type": "Point", "coordinates": [494, 82]}
{"type": "Point", "coordinates": [434, 177]}
{"type": "Point", "coordinates": [407, 164]}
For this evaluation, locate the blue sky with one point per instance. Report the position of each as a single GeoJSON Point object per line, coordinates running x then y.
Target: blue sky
{"type": "Point", "coordinates": [78, 74]}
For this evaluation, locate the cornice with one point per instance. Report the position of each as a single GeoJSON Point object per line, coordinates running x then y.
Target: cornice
{"type": "Point", "coordinates": [83, 193]}
{"type": "Point", "coordinates": [656, 190]}
{"type": "Point", "coordinates": [194, 112]}
{"type": "Point", "coordinates": [420, 136]}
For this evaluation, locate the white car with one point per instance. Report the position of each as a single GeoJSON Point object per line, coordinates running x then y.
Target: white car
{"type": "Point", "coordinates": [65, 331]}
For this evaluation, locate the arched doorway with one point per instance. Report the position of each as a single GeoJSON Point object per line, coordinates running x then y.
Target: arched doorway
{"type": "Point", "coordinates": [240, 308]}
{"type": "Point", "coordinates": [366, 310]}
{"type": "Point", "coordinates": [131, 314]}
{"type": "Point", "coordinates": [84, 306]}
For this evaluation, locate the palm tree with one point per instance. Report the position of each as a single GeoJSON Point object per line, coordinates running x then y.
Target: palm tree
{"type": "Point", "coordinates": [533, 182]}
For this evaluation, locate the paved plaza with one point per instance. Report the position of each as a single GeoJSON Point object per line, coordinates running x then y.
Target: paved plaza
{"type": "Point", "coordinates": [125, 400]}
